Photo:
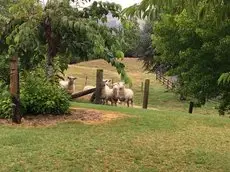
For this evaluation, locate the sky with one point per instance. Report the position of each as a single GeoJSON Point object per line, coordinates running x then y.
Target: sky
{"type": "Point", "coordinates": [123, 3]}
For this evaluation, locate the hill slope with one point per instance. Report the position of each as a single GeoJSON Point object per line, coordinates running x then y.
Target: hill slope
{"type": "Point", "coordinates": [159, 98]}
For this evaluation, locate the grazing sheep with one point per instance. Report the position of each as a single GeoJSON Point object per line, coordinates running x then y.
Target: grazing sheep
{"type": "Point", "coordinates": [125, 94]}
{"type": "Point", "coordinates": [69, 85]}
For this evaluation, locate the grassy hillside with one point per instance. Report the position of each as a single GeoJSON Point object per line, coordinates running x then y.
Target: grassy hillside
{"type": "Point", "coordinates": [147, 140]}
{"type": "Point", "coordinates": [159, 97]}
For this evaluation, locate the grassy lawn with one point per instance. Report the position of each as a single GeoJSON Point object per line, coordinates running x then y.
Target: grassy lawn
{"type": "Point", "coordinates": [147, 141]}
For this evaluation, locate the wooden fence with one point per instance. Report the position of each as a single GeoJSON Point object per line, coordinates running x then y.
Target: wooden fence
{"type": "Point", "coordinates": [165, 81]}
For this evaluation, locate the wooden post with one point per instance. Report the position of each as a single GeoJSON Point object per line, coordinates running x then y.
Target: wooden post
{"type": "Point", "coordinates": [99, 81]}
{"type": "Point", "coordinates": [191, 107]}
{"type": "Point", "coordinates": [142, 87]}
{"type": "Point", "coordinates": [14, 90]}
{"type": "Point", "coordinates": [86, 80]}
{"type": "Point", "coordinates": [146, 94]}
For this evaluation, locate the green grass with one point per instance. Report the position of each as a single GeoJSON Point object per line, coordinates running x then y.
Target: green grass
{"type": "Point", "coordinates": [147, 141]}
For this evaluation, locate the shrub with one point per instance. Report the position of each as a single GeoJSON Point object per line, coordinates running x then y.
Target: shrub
{"type": "Point", "coordinates": [40, 96]}
{"type": "Point", "coordinates": [5, 102]}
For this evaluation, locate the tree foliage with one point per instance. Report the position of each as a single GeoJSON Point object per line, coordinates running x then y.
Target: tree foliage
{"type": "Point", "coordinates": [60, 31]}
{"type": "Point", "coordinates": [191, 38]}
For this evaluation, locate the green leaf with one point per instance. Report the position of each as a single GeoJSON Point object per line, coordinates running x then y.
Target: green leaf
{"type": "Point", "coordinates": [16, 39]}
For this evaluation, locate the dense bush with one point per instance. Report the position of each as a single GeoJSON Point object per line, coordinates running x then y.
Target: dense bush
{"type": "Point", "coordinates": [4, 69]}
{"type": "Point", "coordinates": [40, 96]}
{"type": "Point", "coordinates": [5, 102]}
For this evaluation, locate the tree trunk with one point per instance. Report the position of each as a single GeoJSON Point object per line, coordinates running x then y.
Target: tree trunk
{"type": "Point", "coordinates": [52, 47]}
{"type": "Point", "coordinates": [14, 90]}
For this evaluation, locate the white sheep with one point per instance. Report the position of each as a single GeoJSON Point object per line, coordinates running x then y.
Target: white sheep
{"type": "Point", "coordinates": [109, 94]}
{"type": "Point", "coordinates": [115, 96]}
{"type": "Point", "coordinates": [125, 94]}
{"type": "Point", "coordinates": [69, 85]}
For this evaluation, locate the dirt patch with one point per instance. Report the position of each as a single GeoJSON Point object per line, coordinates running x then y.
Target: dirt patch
{"type": "Point", "coordinates": [87, 116]}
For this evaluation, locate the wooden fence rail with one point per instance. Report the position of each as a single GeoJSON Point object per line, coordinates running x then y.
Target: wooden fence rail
{"type": "Point", "coordinates": [165, 81]}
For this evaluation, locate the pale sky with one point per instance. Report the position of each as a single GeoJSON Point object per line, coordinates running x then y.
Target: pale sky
{"type": "Point", "coordinates": [123, 3]}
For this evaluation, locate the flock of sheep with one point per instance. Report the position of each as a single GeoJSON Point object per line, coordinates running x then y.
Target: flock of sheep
{"type": "Point", "coordinates": [111, 92]}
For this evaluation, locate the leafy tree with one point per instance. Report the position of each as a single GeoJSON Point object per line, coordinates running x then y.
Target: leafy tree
{"type": "Point", "coordinates": [145, 49]}
{"type": "Point", "coordinates": [129, 36]}
{"type": "Point", "coordinates": [58, 30]}
{"type": "Point", "coordinates": [193, 44]}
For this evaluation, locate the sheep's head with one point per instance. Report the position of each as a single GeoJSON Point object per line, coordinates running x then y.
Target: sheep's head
{"type": "Point", "coordinates": [116, 90]}
{"type": "Point", "coordinates": [71, 80]}
{"type": "Point", "coordinates": [108, 82]}
{"type": "Point", "coordinates": [103, 84]}
{"type": "Point", "coordinates": [121, 85]}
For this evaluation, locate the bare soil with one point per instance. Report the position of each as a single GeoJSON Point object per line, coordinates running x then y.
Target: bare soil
{"type": "Point", "coordinates": [86, 116]}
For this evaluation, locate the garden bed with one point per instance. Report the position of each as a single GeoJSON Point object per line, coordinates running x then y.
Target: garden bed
{"type": "Point", "coordinates": [87, 116]}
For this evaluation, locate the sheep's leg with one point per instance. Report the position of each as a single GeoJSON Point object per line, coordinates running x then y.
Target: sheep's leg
{"type": "Point", "coordinates": [131, 102]}
{"type": "Point", "coordinates": [115, 102]}
{"type": "Point", "coordinates": [103, 101]}
{"type": "Point", "coordinates": [107, 102]}
{"type": "Point", "coordinates": [127, 103]}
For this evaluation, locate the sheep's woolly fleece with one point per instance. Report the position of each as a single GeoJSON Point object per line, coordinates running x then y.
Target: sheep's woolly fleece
{"type": "Point", "coordinates": [86, 116]}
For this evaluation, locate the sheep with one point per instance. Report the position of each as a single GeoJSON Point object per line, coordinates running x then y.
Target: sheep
{"type": "Point", "coordinates": [106, 93]}
{"type": "Point", "coordinates": [125, 94]}
{"type": "Point", "coordinates": [108, 82]}
{"type": "Point", "coordinates": [115, 96]}
{"type": "Point", "coordinates": [110, 94]}
{"type": "Point", "coordinates": [68, 85]}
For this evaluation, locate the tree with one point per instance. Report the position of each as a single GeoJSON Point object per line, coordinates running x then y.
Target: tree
{"type": "Point", "coordinates": [34, 30]}
{"type": "Point", "coordinates": [193, 43]}
{"type": "Point", "coordinates": [49, 35]}
{"type": "Point", "coordinates": [145, 49]}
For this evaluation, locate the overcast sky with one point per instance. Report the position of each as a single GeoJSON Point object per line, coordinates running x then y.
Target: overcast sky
{"type": "Point", "coordinates": [123, 3]}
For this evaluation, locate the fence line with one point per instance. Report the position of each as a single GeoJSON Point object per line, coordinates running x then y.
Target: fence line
{"type": "Point", "coordinates": [169, 84]}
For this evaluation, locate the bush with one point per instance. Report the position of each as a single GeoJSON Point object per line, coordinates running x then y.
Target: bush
{"type": "Point", "coordinates": [5, 102]}
{"type": "Point", "coordinates": [40, 96]}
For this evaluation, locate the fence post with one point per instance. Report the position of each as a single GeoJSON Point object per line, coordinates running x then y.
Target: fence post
{"type": "Point", "coordinates": [142, 87]}
{"type": "Point", "coordinates": [191, 105]}
{"type": "Point", "coordinates": [146, 94]}
{"type": "Point", "coordinates": [14, 90]}
{"type": "Point", "coordinates": [86, 80]}
{"type": "Point", "coordinates": [99, 81]}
